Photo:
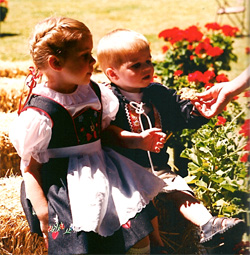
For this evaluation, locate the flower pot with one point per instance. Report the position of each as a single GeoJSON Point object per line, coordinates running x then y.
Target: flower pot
{"type": "Point", "coordinates": [3, 13]}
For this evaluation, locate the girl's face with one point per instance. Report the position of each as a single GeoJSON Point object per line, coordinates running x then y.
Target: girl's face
{"type": "Point", "coordinates": [136, 73]}
{"type": "Point", "coordinates": [78, 66]}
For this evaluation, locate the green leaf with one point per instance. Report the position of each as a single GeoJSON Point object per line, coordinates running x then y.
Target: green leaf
{"type": "Point", "coordinates": [190, 179]}
{"type": "Point", "coordinates": [201, 183]}
{"type": "Point", "coordinates": [228, 187]}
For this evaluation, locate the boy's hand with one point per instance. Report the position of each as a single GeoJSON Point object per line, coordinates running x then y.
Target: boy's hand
{"type": "Point", "coordinates": [152, 140]}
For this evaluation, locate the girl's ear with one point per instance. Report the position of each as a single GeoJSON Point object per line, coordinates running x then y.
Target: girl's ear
{"type": "Point", "coordinates": [55, 63]}
{"type": "Point", "coordinates": [110, 72]}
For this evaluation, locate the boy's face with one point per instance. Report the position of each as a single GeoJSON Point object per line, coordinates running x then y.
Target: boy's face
{"type": "Point", "coordinates": [136, 72]}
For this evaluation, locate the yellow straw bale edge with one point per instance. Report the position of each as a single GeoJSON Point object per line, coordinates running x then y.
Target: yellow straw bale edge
{"type": "Point", "coordinates": [15, 236]}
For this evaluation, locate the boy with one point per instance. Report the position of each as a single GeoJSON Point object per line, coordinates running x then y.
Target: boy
{"type": "Point", "coordinates": [125, 58]}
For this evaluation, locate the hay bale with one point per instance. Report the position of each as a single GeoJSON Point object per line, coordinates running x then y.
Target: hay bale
{"type": "Point", "coordinates": [9, 100]}
{"type": "Point", "coordinates": [10, 93]}
{"type": "Point", "coordinates": [14, 69]}
{"type": "Point", "coordinates": [15, 236]}
{"type": "Point", "coordinates": [9, 160]}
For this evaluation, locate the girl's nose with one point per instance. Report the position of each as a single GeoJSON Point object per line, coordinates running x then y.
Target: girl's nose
{"type": "Point", "coordinates": [92, 60]}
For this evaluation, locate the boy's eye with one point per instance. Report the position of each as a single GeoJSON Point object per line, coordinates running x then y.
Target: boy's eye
{"type": "Point", "coordinates": [149, 61]}
{"type": "Point", "coordinates": [137, 65]}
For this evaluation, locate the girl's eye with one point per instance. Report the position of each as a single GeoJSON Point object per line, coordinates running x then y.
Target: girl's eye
{"type": "Point", "coordinates": [149, 62]}
{"type": "Point", "coordinates": [87, 55]}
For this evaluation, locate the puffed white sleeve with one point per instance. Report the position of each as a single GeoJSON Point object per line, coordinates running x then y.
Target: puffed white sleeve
{"type": "Point", "coordinates": [30, 134]}
{"type": "Point", "coordinates": [110, 105]}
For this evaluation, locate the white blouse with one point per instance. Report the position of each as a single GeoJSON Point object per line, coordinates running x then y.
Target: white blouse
{"type": "Point", "coordinates": [31, 131]}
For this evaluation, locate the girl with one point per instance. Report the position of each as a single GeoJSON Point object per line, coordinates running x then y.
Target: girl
{"type": "Point", "coordinates": [87, 199]}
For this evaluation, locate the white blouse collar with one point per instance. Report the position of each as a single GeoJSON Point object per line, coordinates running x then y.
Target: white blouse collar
{"type": "Point", "coordinates": [77, 97]}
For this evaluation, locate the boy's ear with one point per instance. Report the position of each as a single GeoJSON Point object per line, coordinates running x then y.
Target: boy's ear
{"type": "Point", "coordinates": [112, 74]}
{"type": "Point", "coordinates": [55, 63]}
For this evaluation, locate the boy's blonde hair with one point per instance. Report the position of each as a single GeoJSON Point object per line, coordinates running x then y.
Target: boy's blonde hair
{"type": "Point", "coordinates": [56, 36]}
{"type": "Point", "coordinates": [115, 47]}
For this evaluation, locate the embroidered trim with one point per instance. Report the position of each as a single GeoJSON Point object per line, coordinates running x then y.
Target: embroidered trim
{"type": "Point", "coordinates": [59, 226]}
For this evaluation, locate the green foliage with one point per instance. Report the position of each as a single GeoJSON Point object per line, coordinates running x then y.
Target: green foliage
{"type": "Point", "coordinates": [220, 177]}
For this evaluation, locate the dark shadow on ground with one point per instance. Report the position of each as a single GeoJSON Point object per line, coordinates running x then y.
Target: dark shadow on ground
{"type": "Point", "coordinates": [7, 34]}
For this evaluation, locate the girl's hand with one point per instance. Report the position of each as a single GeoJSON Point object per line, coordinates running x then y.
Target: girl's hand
{"type": "Point", "coordinates": [152, 140]}
{"type": "Point", "coordinates": [44, 225]}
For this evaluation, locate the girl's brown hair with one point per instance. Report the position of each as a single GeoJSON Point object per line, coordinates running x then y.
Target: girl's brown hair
{"type": "Point", "coordinates": [55, 36]}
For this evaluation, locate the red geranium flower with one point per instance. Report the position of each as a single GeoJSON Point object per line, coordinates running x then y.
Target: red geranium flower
{"type": "Point", "coordinates": [247, 49]}
{"type": "Point", "coordinates": [193, 34]}
{"type": "Point", "coordinates": [164, 48]}
{"type": "Point", "coordinates": [209, 76]}
{"type": "Point", "coordinates": [214, 51]}
{"type": "Point", "coordinates": [247, 147]}
{"type": "Point", "coordinates": [173, 34]}
{"type": "Point", "coordinates": [213, 26]}
{"type": "Point", "coordinates": [202, 48]}
{"type": "Point", "coordinates": [229, 30]}
{"type": "Point", "coordinates": [221, 78]}
{"type": "Point", "coordinates": [245, 128]}
{"type": "Point", "coordinates": [221, 121]}
{"type": "Point", "coordinates": [247, 93]}
{"type": "Point", "coordinates": [197, 76]}
{"type": "Point", "coordinates": [192, 57]}
{"type": "Point", "coordinates": [208, 85]}
{"type": "Point", "coordinates": [244, 158]}
{"type": "Point", "coordinates": [178, 73]}
{"type": "Point", "coordinates": [4, 1]}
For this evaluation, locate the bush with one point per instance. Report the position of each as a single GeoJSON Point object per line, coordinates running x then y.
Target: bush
{"type": "Point", "coordinates": [196, 58]}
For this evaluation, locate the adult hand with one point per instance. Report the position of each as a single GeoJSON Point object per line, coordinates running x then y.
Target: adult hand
{"type": "Point", "coordinates": [213, 101]}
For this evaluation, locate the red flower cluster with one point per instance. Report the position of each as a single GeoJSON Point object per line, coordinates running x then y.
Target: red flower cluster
{"type": "Point", "coordinates": [247, 147]}
{"type": "Point", "coordinates": [245, 128]}
{"type": "Point", "coordinates": [227, 30]}
{"type": "Point", "coordinates": [213, 26]}
{"type": "Point", "coordinates": [221, 121]}
{"type": "Point", "coordinates": [178, 73]}
{"type": "Point", "coordinates": [247, 49]}
{"type": "Point", "coordinates": [173, 35]}
{"type": "Point", "coordinates": [247, 93]}
{"type": "Point", "coordinates": [198, 76]}
{"type": "Point", "coordinates": [245, 157]}
{"type": "Point", "coordinates": [164, 48]}
{"type": "Point", "coordinates": [221, 78]}
{"type": "Point", "coordinates": [207, 48]}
